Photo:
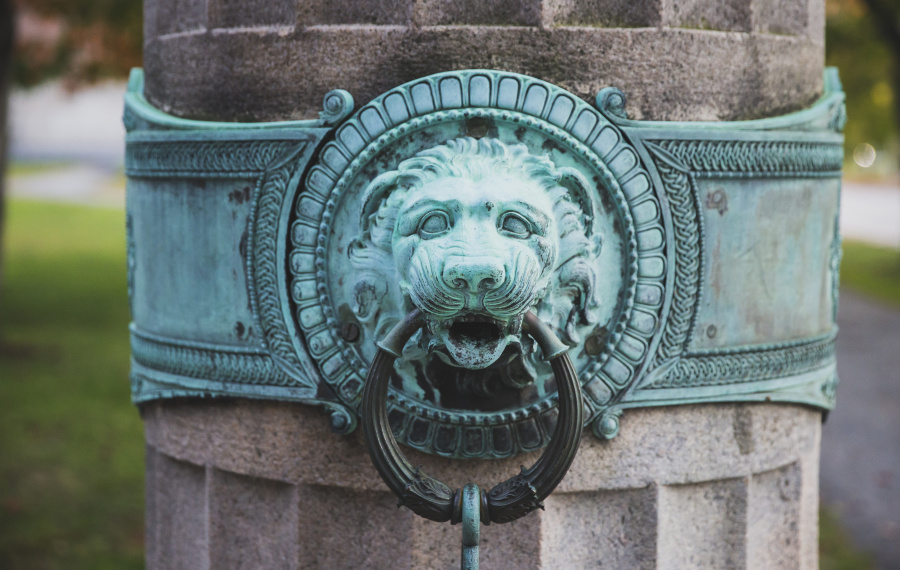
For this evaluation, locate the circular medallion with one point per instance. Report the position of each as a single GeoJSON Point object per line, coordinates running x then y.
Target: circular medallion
{"type": "Point", "coordinates": [476, 196]}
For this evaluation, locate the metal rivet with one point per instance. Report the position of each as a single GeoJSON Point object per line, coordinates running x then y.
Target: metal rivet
{"type": "Point", "coordinates": [350, 332]}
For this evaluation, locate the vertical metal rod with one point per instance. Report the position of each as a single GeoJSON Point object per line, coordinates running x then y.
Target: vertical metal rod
{"type": "Point", "coordinates": [471, 526]}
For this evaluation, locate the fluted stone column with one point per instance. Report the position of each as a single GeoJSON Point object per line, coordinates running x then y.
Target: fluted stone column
{"type": "Point", "coordinates": [257, 484]}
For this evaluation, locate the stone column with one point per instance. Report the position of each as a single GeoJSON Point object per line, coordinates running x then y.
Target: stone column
{"type": "Point", "coordinates": [257, 484]}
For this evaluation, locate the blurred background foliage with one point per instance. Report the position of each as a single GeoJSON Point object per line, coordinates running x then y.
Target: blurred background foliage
{"type": "Point", "coordinates": [81, 41]}
{"type": "Point", "coordinates": [862, 39]}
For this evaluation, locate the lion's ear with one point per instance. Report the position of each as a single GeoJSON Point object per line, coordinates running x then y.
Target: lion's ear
{"type": "Point", "coordinates": [579, 190]}
{"type": "Point", "coordinates": [377, 191]}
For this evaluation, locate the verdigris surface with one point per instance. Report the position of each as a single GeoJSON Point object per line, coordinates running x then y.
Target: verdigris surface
{"type": "Point", "coordinates": [679, 262]}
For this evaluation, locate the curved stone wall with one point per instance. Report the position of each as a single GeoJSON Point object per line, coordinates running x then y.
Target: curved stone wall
{"type": "Point", "coordinates": [264, 484]}
{"type": "Point", "coordinates": [694, 60]}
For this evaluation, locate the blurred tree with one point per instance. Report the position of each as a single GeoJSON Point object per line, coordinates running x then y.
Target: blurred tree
{"type": "Point", "coordinates": [863, 41]}
{"type": "Point", "coordinates": [7, 30]}
{"type": "Point", "coordinates": [81, 40]}
{"type": "Point", "coordinates": [885, 14]}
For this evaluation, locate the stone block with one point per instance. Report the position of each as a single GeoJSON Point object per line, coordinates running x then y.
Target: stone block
{"type": "Point", "coordinates": [253, 523]}
{"type": "Point", "coordinates": [179, 512]}
{"type": "Point", "coordinates": [251, 13]}
{"type": "Point", "coordinates": [773, 538]}
{"type": "Point", "coordinates": [178, 16]}
{"type": "Point", "coordinates": [511, 546]}
{"type": "Point", "coordinates": [389, 537]}
{"type": "Point", "coordinates": [605, 13]}
{"type": "Point", "coordinates": [151, 525]}
{"type": "Point", "coordinates": [621, 533]}
{"type": "Point", "coordinates": [779, 17]}
{"type": "Point", "coordinates": [371, 12]}
{"type": "Point", "coordinates": [478, 12]}
{"type": "Point", "coordinates": [725, 15]}
{"type": "Point", "coordinates": [815, 30]}
{"type": "Point", "coordinates": [669, 74]}
{"type": "Point", "coordinates": [699, 464]}
{"type": "Point", "coordinates": [292, 443]}
{"type": "Point", "coordinates": [703, 526]}
{"type": "Point", "coordinates": [330, 516]}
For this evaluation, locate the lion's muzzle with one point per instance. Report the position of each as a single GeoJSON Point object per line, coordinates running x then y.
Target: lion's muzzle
{"type": "Point", "coordinates": [474, 274]}
{"type": "Point", "coordinates": [474, 303]}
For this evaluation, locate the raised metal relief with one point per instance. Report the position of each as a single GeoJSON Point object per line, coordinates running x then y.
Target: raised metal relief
{"type": "Point", "coordinates": [474, 197]}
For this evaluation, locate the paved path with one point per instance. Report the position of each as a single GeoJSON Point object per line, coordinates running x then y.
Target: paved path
{"type": "Point", "coordinates": [48, 122]}
{"type": "Point", "coordinates": [860, 470]}
{"type": "Point", "coordinates": [871, 213]}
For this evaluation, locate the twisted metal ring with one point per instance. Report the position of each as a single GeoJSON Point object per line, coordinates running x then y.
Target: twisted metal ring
{"type": "Point", "coordinates": [430, 498]}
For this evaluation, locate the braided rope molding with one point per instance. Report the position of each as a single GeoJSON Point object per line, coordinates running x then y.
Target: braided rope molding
{"type": "Point", "coordinates": [263, 266]}
{"type": "Point", "coordinates": [152, 158]}
{"type": "Point", "coordinates": [688, 230]}
{"type": "Point", "coordinates": [194, 360]}
{"type": "Point", "coordinates": [748, 366]}
{"type": "Point", "coordinates": [736, 158]}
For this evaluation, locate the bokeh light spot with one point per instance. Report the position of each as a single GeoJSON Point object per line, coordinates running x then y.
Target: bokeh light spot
{"type": "Point", "coordinates": [864, 155]}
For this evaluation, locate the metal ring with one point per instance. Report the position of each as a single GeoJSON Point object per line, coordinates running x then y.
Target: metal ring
{"type": "Point", "coordinates": [430, 498]}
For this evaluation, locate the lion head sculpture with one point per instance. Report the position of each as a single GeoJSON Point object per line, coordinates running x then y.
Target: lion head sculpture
{"type": "Point", "coordinates": [475, 233]}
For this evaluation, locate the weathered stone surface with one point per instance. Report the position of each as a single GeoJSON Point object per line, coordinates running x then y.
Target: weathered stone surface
{"type": "Point", "coordinates": [251, 13]}
{"type": "Point", "coordinates": [477, 12]}
{"type": "Point", "coordinates": [774, 509]}
{"type": "Point", "coordinates": [292, 443]}
{"type": "Point", "coordinates": [251, 522]}
{"type": "Point", "coordinates": [726, 15]}
{"type": "Point", "coordinates": [706, 486]}
{"type": "Point", "coordinates": [622, 532]}
{"type": "Point", "coordinates": [606, 13]}
{"type": "Point", "coordinates": [775, 17]}
{"type": "Point", "coordinates": [675, 60]}
{"type": "Point", "coordinates": [177, 491]}
{"type": "Point", "coordinates": [372, 12]}
{"type": "Point", "coordinates": [703, 525]}
{"type": "Point", "coordinates": [179, 16]}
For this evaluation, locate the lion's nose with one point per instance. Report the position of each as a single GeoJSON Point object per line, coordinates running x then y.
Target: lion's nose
{"type": "Point", "coordinates": [474, 274]}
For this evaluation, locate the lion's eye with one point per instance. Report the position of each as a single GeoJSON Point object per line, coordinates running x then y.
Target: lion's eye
{"type": "Point", "coordinates": [433, 224]}
{"type": "Point", "coordinates": [516, 225]}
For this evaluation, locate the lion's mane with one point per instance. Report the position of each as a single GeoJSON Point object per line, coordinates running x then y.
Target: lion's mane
{"type": "Point", "coordinates": [571, 298]}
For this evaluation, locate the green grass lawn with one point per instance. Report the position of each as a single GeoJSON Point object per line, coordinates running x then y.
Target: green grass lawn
{"type": "Point", "coordinates": [71, 446]}
{"type": "Point", "coordinates": [873, 271]}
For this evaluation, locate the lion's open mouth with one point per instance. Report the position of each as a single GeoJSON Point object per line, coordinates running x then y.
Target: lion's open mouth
{"type": "Point", "coordinates": [475, 340]}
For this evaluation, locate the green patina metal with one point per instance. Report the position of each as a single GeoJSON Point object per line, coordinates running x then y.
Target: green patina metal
{"type": "Point", "coordinates": [430, 498]}
{"type": "Point", "coordinates": [471, 521]}
{"type": "Point", "coordinates": [677, 262]}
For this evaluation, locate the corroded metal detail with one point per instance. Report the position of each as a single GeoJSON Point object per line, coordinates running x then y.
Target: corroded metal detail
{"type": "Point", "coordinates": [301, 224]}
{"type": "Point", "coordinates": [606, 290]}
{"type": "Point", "coordinates": [507, 501]}
{"type": "Point", "coordinates": [756, 158]}
{"type": "Point", "coordinates": [202, 360]}
{"type": "Point", "coordinates": [683, 204]}
{"type": "Point", "coordinates": [748, 365]}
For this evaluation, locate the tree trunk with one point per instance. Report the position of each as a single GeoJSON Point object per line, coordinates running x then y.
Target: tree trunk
{"type": "Point", "coordinates": [7, 30]}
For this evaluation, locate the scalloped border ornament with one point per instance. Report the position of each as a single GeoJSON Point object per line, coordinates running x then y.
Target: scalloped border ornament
{"type": "Point", "coordinates": [508, 98]}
